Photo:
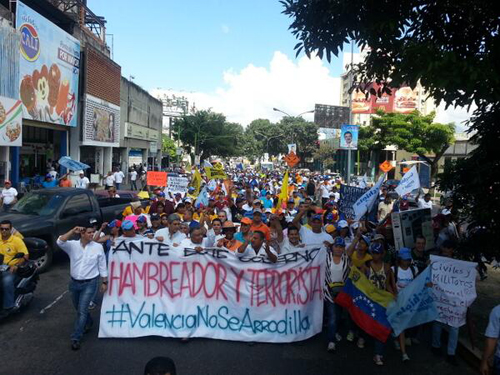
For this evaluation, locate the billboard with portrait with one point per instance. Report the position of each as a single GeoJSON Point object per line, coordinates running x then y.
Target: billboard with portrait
{"type": "Point", "coordinates": [349, 137]}
{"type": "Point", "coordinates": [102, 123]}
{"type": "Point", "coordinates": [49, 69]}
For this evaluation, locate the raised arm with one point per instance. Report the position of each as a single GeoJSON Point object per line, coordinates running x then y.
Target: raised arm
{"type": "Point", "coordinates": [352, 246]}
{"type": "Point", "coordinates": [298, 218]}
{"type": "Point", "coordinates": [275, 223]}
{"type": "Point", "coordinates": [65, 237]}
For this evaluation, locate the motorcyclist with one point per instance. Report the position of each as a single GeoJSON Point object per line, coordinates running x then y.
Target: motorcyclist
{"type": "Point", "coordinates": [10, 245]}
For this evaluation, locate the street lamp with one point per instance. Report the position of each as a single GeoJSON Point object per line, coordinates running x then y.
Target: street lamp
{"type": "Point", "coordinates": [268, 138]}
{"type": "Point", "coordinates": [300, 114]}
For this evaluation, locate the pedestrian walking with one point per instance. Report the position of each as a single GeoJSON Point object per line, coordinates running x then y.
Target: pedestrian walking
{"type": "Point", "coordinates": [8, 196]}
{"type": "Point", "coordinates": [119, 176]}
{"type": "Point", "coordinates": [87, 263]}
{"type": "Point", "coordinates": [133, 179]}
{"type": "Point", "coordinates": [109, 180]}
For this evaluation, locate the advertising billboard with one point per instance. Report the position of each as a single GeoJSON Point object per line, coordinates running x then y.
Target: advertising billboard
{"type": "Point", "coordinates": [330, 116]}
{"type": "Point", "coordinates": [102, 123]}
{"type": "Point", "coordinates": [402, 100]}
{"type": "Point", "coordinates": [49, 69]}
{"type": "Point", "coordinates": [361, 102]}
{"type": "Point", "coordinates": [11, 116]}
{"type": "Point", "coordinates": [349, 137]}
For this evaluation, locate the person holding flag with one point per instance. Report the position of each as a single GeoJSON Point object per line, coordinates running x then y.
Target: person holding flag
{"type": "Point", "coordinates": [366, 295]}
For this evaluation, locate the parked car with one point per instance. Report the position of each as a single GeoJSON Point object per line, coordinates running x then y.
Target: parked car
{"type": "Point", "coordinates": [391, 184]}
{"type": "Point", "coordinates": [46, 214]}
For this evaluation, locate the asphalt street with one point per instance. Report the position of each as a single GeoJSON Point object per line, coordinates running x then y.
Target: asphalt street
{"type": "Point", "coordinates": [36, 342]}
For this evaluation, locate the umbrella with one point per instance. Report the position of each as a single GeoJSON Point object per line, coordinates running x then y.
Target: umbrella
{"type": "Point", "coordinates": [71, 164]}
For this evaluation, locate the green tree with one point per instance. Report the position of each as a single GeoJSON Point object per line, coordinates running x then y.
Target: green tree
{"type": "Point", "coordinates": [168, 147]}
{"type": "Point", "coordinates": [325, 154]}
{"type": "Point", "coordinates": [451, 47]}
{"type": "Point", "coordinates": [410, 132]}
{"type": "Point", "coordinates": [207, 133]}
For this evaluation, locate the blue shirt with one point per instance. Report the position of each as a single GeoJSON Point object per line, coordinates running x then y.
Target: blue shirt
{"type": "Point", "coordinates": [49, 184]}
{"type": "Point", "coordinates": [493, 329]}
{"type": "Point", "coordinates": [267, 203]}
{"type": "Point", "coordinates": [239, 237]}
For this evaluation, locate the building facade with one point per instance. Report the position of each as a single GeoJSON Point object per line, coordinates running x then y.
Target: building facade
{"type": "Point", "coordinates": [141, 117]}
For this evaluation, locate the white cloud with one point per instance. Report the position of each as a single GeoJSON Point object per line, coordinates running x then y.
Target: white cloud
{"type": "Point", "coordinates": [251, 93]}
{"type": "Point", "coordinates": [225, 29]}
{"type": "Point", "coordinates": [457, 115]}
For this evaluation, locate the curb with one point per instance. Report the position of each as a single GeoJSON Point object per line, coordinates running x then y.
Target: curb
{"type": "Point", "coordinates": [468, 354]}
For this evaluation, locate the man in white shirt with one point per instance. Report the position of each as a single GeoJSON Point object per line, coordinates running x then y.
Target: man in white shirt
{"type": "Point", "coordinates": [291, 243]}
{"type": "Point", "coordinates": [53, 173]}
{"type": "Point", "coordinates": [171, 235]}
{"type": "Point", "coordinates": [315, 236]}
{"type": "Point", "coordinates": [8, 197]}
{"type": "Point", "coordinates": [87, 263]}
{"type": "Point", "coordinates": [82, 182]}
{"type": "Point", "coordinates": [325, 192]}
{"type": "Point", "coordinates": [133, 179]}
{"type": "Point", "coordinates": [257, 247]}
{"type": "Point", "coordinates": [335, 195]}
{"type": "Point", "coordinates": [196, 240]}
{"type": "Point", "coordinates": [425, 202]}
{"type": "Point", "coordinates": [119, 176]}
{"type": "Point", "coordinates": [109, 180]}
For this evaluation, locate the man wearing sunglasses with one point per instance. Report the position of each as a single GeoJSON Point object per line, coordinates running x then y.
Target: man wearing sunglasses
{"type": "Point", "coordinates": [9, 246]}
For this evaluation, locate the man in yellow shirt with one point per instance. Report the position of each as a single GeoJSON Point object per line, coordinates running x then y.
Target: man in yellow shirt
{"type": "Point", "coordinates": [9, 246]}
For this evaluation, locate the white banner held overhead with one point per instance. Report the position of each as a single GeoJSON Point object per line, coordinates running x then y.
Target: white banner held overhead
{"type": "Point", "coordinates": [366, 201]}
{"type": "Point", "coordinates": [453, 287]}
{"type": "Point", "coordinates": [409, 182]}
{"type": "Point", "coordinates": [155, 290]}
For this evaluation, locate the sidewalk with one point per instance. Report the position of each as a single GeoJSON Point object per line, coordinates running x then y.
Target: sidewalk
{"type": "Point", "coordinates": [488, 296]}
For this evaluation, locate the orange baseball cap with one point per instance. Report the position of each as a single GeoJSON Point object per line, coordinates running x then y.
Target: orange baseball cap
{"type": "Point", "coordinates": [247, 221]}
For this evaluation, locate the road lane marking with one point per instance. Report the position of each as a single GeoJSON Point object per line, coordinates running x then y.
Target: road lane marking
{"type": "Point", "coordinates": [42, 311]}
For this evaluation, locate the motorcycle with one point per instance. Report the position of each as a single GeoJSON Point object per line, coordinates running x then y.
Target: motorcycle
{"type": "Point", "coordinates": [27, 273]}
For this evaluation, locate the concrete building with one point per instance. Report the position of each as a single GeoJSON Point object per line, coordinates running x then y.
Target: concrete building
{"type": "Point", "coordinates": [141, 117]}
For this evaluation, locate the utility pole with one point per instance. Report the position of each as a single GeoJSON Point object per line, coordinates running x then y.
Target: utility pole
{"type": "Point", "coordinates": [351, 76]}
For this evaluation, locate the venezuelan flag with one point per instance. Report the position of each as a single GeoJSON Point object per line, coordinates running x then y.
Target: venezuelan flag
{"type": "Point", "coordinates": [366, 304]}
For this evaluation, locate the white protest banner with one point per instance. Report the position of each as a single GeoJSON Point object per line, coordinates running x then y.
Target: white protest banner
{"type": "Point", "coordinates": [364, 203]}
{"type": "Point", "coordinates": [414, 305]}
{"type": "Point", "coordinates": [364, 182]}
{"type": "Point", "coordinates": [155, 290]}
{"type": "Point", "coordinates": [454, 288]}
{"type": "Point", "coordinates": [177, 184]}
{"type": "Point", "coordinates": [409, 182]}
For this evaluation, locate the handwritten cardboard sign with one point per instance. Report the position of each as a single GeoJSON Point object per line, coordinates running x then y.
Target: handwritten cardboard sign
{"type": "Point", "coordinates": [454, 288]}
{"type": "Point", "coordinates": [157, 178]}
{"type": "Point", "coordinates": [177, 184]}
{"type": "Point", "coordinates": [177, 292]}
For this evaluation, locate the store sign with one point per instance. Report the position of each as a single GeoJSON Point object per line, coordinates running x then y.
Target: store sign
{"type": "Point", "coordinates": [49, 67]}
{"type": "Point", "coordinates": [153, 147]}
{"type": "Point", "coordinates": [101, 123]}
{"type": "Point", "coordinates": [141, 132]}
{"type": "Point", "coordinates": [11, 117]}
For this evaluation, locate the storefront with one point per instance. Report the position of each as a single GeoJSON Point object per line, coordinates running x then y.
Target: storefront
{"type": "Point", "coordinates": [48, 88]}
